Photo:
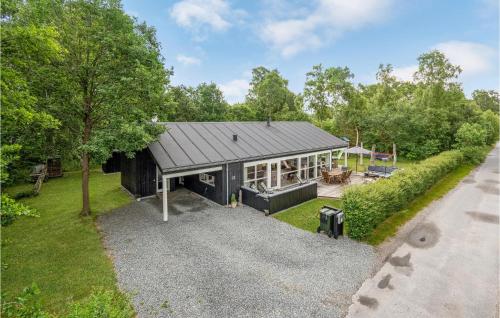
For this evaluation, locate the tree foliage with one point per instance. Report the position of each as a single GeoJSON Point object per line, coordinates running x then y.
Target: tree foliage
{"type": "Point", "coordinates": [487, 100]}
{"type": "Point", "coordinates": [471, 135]}
{"type": "Point", "coordinates": [11, 210]}
{"type": "Point", "coordinates": [107, 79]}
{"type": "Point", "coordinates": [421, 117]}
{"type": "Point", "coordinates": [270, 97]}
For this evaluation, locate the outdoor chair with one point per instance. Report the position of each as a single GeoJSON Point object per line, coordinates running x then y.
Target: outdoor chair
{"type": "Point", "coordinates": [380, 171]}
{"type": "Point", "coordinates": [344, 177]}
{"type": "Point", "coordinates": [262, 187]}
{"type": "Point", "coordinates": [326, 177]}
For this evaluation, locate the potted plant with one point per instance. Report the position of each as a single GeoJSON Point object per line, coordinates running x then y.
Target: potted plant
{"type": "Point", "coordinates": [234, 202]}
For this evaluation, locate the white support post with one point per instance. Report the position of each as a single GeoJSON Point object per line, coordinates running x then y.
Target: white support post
{"type": "Point", "coordinates": [345, 157]}
{"type": "Point", "coordinates": [362, 155]}
{"type": "Point", "coordinates": [278, 172]}
{"type": "Point", "coordinates": [165, 181]}
{"type": "Point", "coordinates": [315, 166]}
{"type": "Point", "coordinates": [394, 159]}
{"type": "Point", "coordinates": [330, 157]}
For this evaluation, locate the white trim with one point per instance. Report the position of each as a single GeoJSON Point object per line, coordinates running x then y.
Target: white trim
{"type": "Point", "coordinates": [253, 163]}
{"type": "Point", "coordinates": [208, 177]}
{"type": "Point", "coordinates": [158, 176]}
{"type": "Point", "coordinates": [191, 172]}
{"type": "Point", "coordinates": [277, 161]}
{"type": "Point", "coordinates": [165, 199]}
{"type": "Point", "coordinates": [227, 184]}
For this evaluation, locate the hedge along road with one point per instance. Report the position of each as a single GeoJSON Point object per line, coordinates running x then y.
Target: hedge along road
{"type": "Point", "coordinates": [447, 266]}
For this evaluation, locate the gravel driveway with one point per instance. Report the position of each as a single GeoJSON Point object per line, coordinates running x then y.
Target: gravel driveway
{"type": "Point", "coordinates": [211, 261]}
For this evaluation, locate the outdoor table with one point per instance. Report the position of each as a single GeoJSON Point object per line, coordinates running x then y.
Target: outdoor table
{"type": "Point", "coordinates": [335, 174]}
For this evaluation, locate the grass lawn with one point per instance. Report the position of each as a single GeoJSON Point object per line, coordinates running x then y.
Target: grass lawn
{"type": "Point", "coordinates": [391, 225]}
{"type": "Point", "coordinates": [306, 215]}
{"type": "Point", "coordinates": [60, 251]}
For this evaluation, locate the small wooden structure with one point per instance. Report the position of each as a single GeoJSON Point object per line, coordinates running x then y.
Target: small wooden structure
{"type": "Point", "coordinates": [54, 167]}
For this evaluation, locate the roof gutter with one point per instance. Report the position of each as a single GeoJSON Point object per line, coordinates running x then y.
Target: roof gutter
{"type": "Point", "coordinates": [213, 164]}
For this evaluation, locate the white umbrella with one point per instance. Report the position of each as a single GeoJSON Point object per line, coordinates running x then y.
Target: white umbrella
{"type": "Point", "coordinates": [358, 151]}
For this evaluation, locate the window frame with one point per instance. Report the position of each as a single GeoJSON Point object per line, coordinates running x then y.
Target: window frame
{"type": "Point", "coordinates": [208, 178]}
{"type": "Point", "coordinates": [299, 156]}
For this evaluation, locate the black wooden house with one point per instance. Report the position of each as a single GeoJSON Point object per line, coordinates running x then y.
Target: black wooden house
{"type": "Point", "coordinates": [274, 164]}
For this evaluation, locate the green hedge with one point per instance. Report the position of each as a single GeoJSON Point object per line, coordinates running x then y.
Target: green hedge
{"type": "Point", "coordinates": [366, 206]}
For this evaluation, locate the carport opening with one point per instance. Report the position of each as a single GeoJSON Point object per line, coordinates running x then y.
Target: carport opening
{"type": "Point", "coordinates": [206, 182]}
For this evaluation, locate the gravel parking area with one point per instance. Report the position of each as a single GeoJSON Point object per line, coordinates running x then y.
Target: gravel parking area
{"type": "Point", "coordinates": [212, 261]}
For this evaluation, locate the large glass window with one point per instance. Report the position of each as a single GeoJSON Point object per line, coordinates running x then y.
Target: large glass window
{"type": "Point", "coordinates": [256, 177]}
{"type": "Point", "coordinates": [289, 171]}
{"type": "Point", "coordinates": [274, 175]}
{"type": "Point", "coordinates": [323, 160]}
{"type": "Point", "coordinates": [311, 165]}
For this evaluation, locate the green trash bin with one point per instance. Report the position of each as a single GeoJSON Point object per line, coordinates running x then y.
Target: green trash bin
{"type": "Point", "coordinates": [331, 221]}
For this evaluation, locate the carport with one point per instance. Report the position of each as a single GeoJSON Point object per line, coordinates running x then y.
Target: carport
{"type": "Point", "coordinates": [166, 180]}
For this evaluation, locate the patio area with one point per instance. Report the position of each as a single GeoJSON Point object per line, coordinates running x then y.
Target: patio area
{"type": "Point", "coordinates": [335, 190]}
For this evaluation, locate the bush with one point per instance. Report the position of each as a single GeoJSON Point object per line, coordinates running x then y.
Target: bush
{"type": "Point", "coordinates": [470, 135]}
{"type": "Point", "coordinates": [26, 305]}
{"type": "Point", "coordinates": [475, 155]}
{"type": "Point", "coordinates": [102, 303]}
{"type": "Point", "coordinates": [366, 206]}
{"type": "Point", "coordinates": [490, 122]}
{"type": "Point", "coordinates": [11, 210]}
{"type": "Point", "coordinates": [25, 194]}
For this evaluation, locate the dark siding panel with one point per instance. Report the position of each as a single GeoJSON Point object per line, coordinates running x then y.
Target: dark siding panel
{"type": "Point", "coordinates": [235, 178]}
{"type": "Point", "coordinates": [128, 172]}
{"type": "Point", "coordinates": [280, 201]}
{"type": "Point", "coordinates": [145, 173]}
{"type": "Point", "coordinates": [112, 164]}
{"type": "Point", "coordinates": [139, 174]}
{"type": "Point", "coordinates": [214, 193]}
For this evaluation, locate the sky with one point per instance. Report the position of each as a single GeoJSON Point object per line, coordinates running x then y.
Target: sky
{"type": "Point", "coordinates": [221, 41]}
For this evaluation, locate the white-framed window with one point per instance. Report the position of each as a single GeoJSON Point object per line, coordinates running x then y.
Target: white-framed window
{"type": "Point", "coordinates": [289, 171]}
{"type": "Point", "coordinates": [207, 178]}
{"type": "Point", "coordinates": [281, 172]}
{"type": "Point", "coordinates": [256, 177]}
{"type": "Point", "coordinates": [323, 161]}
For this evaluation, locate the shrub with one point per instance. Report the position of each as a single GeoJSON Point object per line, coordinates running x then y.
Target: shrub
{"type": "Point", "coordinates": [102, 303]}
{"type": "Point", "coordinates": [490, 122]}
{"type": "Point", "coordinates": [368, 205]}
{"type": "Point", "coordinates": [25, 194]}
{"type": "Point", "coordinates": [11, 209]}
{"type": "Point", "coordinates": [26, 305]}
{"type": "Point", "coordinates": [470, 135]}
{"type": "Point", "coordinates": [475, 155]}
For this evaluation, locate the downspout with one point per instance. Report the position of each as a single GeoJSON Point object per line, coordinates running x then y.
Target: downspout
{"type": "Point", "coordinates": [227, 184]}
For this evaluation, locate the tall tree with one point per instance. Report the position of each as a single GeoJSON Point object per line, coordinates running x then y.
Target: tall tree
{"type": "Point", "coordinates": [113, 72]}
{"type": "Point", "coordinates": [182, 106]}
{"type": "Point", "coordinates": [269, 94]}
{"type": "Point", "coordinates": [210, 103]}
{"type": "Point", "coordinates": [487, 99]}
{"type": "Point", "coordinates": [26, 122]}
{"type": "Point", "coordinates": [326, 89]}
{"type": "Point", "coordinates": [316, 95]}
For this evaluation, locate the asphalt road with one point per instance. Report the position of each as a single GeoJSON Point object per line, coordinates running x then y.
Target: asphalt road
{"type": "Point", "coordinates": [447, 265]}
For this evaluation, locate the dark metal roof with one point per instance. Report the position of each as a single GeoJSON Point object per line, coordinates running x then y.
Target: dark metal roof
{"type": "Point", "coordinates": [189, 145]}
